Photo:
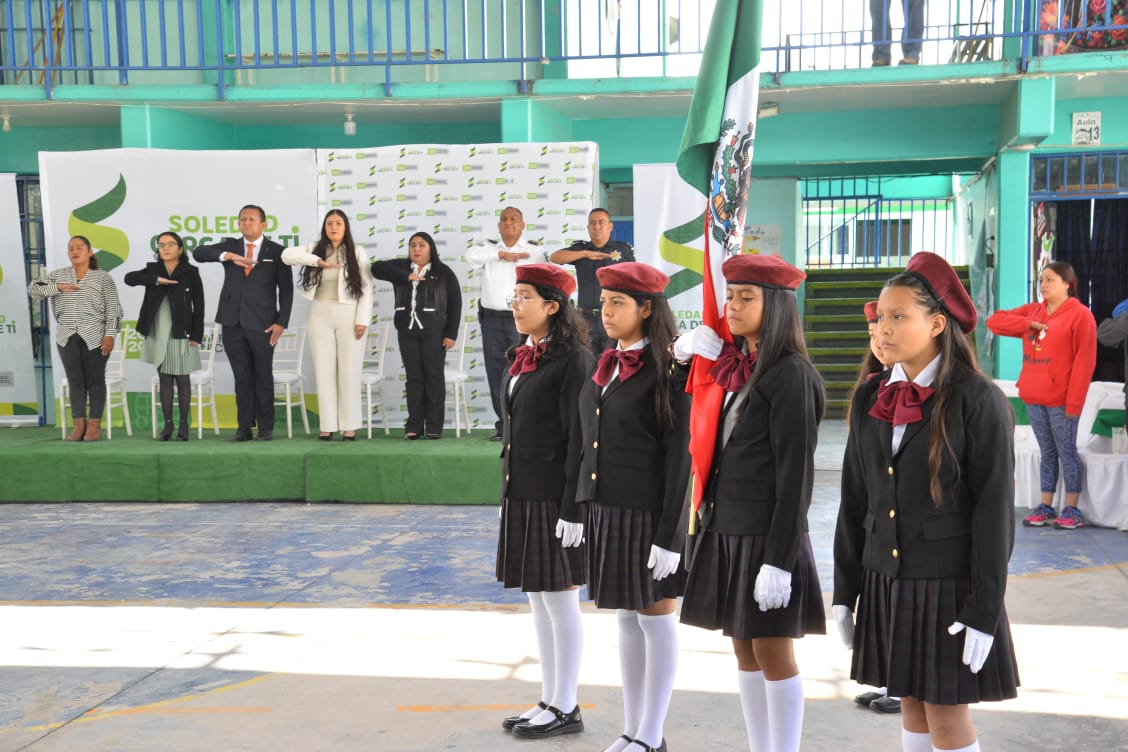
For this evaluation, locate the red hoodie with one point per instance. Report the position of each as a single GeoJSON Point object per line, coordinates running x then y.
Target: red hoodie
{"type": "Point", "coordinates": [1057, 369]}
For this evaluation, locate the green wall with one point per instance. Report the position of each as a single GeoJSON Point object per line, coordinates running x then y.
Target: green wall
{"type": "Point", "coordinates": [20, 147]}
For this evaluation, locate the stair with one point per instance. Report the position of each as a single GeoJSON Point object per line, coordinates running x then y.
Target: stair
{"type": "Point", "coordinates": [835, 325]}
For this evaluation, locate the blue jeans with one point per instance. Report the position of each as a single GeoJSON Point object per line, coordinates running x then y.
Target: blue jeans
{"type": "Point", "coordinates": [499, 333]}
{"type": "Point", "coordinates": [882, 30]}
{"type": "Point", "coordinates": [1057, 440]}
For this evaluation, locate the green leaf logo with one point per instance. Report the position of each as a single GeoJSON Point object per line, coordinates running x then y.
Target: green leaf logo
{"type": "Point", "coordinates": [111, 246]}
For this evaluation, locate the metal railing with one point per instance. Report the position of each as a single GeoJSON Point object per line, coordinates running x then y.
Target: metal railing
{"type": "Point", "coordinates": [253, 42]}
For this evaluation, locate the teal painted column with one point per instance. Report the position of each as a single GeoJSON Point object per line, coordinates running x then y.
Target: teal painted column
{"type": "Point", "coordinates": [554, 33]}
{"type": "Point", "coordinates": [1013, 254]}
{"type": "Point", "coordinates": [525, 120]}
{"type": "Point", "coordinates": [151, 127]}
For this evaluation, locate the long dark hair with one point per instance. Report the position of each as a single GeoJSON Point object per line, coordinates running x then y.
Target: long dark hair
{"type": "Point", "coordinates": [781, 331]}
{"type": "Point", "coordinates": [1067, 274]}
{"type": "Point", "coordinates": [662, 329]}
{"type": "Point", "coordinates": [956, 360]}
{"type": "Point", "coordinates": [93, 256]}
{"type": "Point", "coordinates": [311, 275]}
{"type": "Point", "coordinates": [869, 368]}
{"type": "Point", "coordinates": [567, 330]}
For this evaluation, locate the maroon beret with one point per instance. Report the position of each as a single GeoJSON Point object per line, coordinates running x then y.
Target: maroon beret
{"type": "Point", "coordinates": [551, 276]}
{"type": "Point", "coordinates": [765, 271]}
{"type": "Point", "coordinates": [942, 281]}
{"type": "Point", "coordinates": [871, 312]}
{"type": "Point", "coordinates": [632, 277]}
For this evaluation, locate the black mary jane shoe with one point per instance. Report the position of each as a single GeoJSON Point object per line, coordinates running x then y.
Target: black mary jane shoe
{"type": "Point", "coordinates": [325, 436]}
{"type": "Point", "coordinates": [563, 723]}
{"type": "Point", "coordinates": [660, 748]}
{"type": "Point", "coordinates": [513, 720]}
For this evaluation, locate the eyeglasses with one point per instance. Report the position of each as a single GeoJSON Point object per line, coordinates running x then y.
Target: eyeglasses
{"type": "Point", "coordinates": [170, 244]}
{"type": "Point", "coordinates": [519, 301]}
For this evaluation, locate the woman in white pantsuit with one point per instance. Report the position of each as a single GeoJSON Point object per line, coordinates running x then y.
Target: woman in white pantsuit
{"type": "Point", "coordinates": [339, 284]}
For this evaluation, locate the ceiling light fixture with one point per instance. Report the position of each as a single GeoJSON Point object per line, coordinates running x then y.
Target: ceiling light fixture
{"type": "Point", "coordinates": [350, 125]}
{"type": "Point", "coordinates": [767, 110]}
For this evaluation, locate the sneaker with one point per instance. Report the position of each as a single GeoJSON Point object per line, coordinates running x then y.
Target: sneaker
{"type": "Point", "coordinates": [1042, 515]}
{"type": "Point", "coordinates": [1070, 519]}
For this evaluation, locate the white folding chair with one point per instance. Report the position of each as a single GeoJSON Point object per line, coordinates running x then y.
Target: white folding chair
{"type": "Point", "coordinates": [288, 358]}
{"type": "Point", "coordinates": [116, 395]}
{"type": "Point", "coordinates": [456, 379]}
{"type": "Point", "coordinates": [372, 372]}
{"type": "Point", "coordinates": [201, 380]}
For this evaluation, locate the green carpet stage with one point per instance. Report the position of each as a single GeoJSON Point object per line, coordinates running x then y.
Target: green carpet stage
{"type": "Point", "coordinates": [39, 466]}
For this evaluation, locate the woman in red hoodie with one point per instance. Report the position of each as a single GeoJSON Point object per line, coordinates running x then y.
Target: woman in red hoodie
{"type": "Point", "coordinates": [1059, 353]}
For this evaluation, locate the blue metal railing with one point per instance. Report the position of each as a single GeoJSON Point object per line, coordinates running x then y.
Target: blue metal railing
{"type": "Point", "coordinates": [247, 42]}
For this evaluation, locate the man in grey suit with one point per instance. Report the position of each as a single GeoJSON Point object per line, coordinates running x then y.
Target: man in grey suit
{"type": "Point", "coordinates": [254, 309]}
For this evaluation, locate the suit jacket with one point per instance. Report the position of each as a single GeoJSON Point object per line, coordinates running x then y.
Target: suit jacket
{"type": "Point", "coordinates": [628, 460]}
{"type": "Point", "coordinates": [256, 300]}
{"type": "Point", "coordinates": [540, 456]}
{"type": "Point", "coordinates": [185, 298]}
{"type": "Point", "coordinates": [761, 480]}
{"type": "Point", "coordinates": [304, 256]}
{"type": "Point", "coordinates": [887, 521]}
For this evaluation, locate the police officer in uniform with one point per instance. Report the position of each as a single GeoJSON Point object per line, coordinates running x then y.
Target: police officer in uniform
{"type": "Point", "coordinates": [499, 260]}
{"type": "Point", "coordinates": [587, 256]}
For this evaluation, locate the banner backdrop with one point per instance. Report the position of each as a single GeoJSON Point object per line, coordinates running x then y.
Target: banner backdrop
{"type": "Point", "coordinates": [18, 400]}
{"type": "Point", "coordinates": [121, 199]}
{"type": "Point", "coordinates": [456, 193]}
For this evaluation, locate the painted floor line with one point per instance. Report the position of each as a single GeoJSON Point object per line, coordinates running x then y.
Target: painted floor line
{"type": "Point", "coordinates": [1080, 570]}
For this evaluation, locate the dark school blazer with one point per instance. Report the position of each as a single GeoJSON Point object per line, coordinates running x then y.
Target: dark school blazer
{"type": "Point", "coordinates": [185, 299]}
{"type": "Point", "coordinates": [761, 481]}
{"type": "Point", "coordinates": [540, 456]}
{"type": "Point", "coordinates": [627, 460]}
{"type": "Point", "coordinates": [887, 521]}
{"type": "Point", "coordinates": [256, 300]}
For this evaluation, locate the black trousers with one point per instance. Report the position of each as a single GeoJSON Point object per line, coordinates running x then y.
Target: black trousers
{"type": "Point", "coordinates": [597, 335]}
{"type": "Point", "coordinates": [252, 362]}
{"type": "Point", "coordinates": [424, 362]}
{"type": "Point", "coordinates": [86, 375]}
{"type": "Point", "coordinates": [499, 333]}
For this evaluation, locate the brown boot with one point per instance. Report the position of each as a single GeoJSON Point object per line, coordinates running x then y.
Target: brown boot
{"type": "Point", "coordinates": [93, 429]}
{"type": "Point", "coordinates": [79, 430]}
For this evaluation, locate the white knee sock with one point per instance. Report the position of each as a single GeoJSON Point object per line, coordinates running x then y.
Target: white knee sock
{"type": "Point", "coordinates": [661, 668]}
{"type": "Point", "coordinates": [785, 712]}
{"type": "Point", "coordinates": [543, 624]}
{"type": "Point", "coordinates": [755, 706]}
{"type": "Point", "coordinates": [568, 643]}
{"type": "Point", "coordinates": [632, 666]}
{"type": "Point", "coordinates": [912, 741]}
{"type": "Point", "coordinates": [973, 747]}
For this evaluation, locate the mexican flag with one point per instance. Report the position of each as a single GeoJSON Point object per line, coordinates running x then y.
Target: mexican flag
{"type": "Point", "coordinates": [716, 159]}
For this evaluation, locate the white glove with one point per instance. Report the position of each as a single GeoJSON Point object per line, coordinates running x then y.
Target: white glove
{"type": "Point", "coordinates": [976, 645]}
{"type": "Point", "coordinates": [844, 618]}
{"type": "Point", "coordinates": [571, 534]}
{"type": "Point", "coordinates": [773, 588]}
{"type": "Point", "coordinates": [663, 563]}
{"type": "Point", "coordinates": [701, 341]}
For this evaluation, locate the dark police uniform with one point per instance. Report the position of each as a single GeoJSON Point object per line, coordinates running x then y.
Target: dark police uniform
{"type": "Point", "coordinates": [588, 289]}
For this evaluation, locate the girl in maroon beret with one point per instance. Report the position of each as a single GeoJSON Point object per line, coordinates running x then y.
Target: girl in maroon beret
{"type": "Point", "coordinates": [926, 522]}
{"type": "Point", "coordinates": [634, 474]}
{"type": "Point", "coordinates": [753, 572]}
{"type": "Point", "coordinates": [540, 464]}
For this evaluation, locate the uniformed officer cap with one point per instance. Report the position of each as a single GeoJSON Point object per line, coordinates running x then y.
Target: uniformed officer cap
{"type": "Point", "coordinates": [633, 278]}
{"type": "Point", "coordinates": [553, 277]}
{"type": "Point", "coordinates": [765, 271]}
{"type": "Point", "coordinates": [942, 281]}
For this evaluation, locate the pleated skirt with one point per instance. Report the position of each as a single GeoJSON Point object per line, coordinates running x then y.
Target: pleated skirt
{"type": "Point", "coordinates": [618, 547]}
{"type": "Point", "coordinates": [722, 578]}
{"type": "Point", "coordinates": [901, 641]}
{"type": "Point", "coordinates": [529, 555]}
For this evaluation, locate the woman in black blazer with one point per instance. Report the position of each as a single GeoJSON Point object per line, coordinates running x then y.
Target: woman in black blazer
{"type": "Point", "coordinates": [540, 461]}
{"type": "Point", "coordinates": [428, 311]}
{"type": "Point", "coordinates": [172, 322]}
{"type": "Point", "coordinates": [634, 474]}
{"type": "Point", "coordinates": [753, 572]}
{"type": "Point", "coordinates": [926, 524]}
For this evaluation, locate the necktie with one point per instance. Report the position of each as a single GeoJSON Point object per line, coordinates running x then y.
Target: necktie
{"type": "Point", "coordinates": [628, 361]}
{"type": "Point", "coordinates": [250, 257]}
{"type": "Point", "coordinates": [732, 368]}
{"type": "Point", "coordinates": [525, 359]}
{"type": "Point", "coordinates": [900, 403]}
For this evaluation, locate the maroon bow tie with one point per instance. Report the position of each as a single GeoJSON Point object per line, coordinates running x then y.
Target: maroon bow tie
{"type": "Point", "coordinates": [629, 362]}
{"type": "Point", "coordinates": [900, 403]}
{"type": "Point", "coordinates": [525, 358]}
{"type": "Point", "coordinates": [732, 368]}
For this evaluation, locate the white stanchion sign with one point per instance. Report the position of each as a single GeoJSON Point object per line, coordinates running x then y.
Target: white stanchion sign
{"type": "Point", "coordinates": [18, 400]}
{"type": "Point", "coordinates": [121, 199]}
{"type": "Point", "coordinates": [456, 194]}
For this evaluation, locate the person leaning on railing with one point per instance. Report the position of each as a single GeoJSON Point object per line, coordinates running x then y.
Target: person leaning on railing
{"type": "Point", "coordinates": [84, 301]}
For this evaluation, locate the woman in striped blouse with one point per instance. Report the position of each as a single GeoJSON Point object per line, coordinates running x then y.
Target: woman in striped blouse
{"type": "Point", "coordinates": [84, 301]}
